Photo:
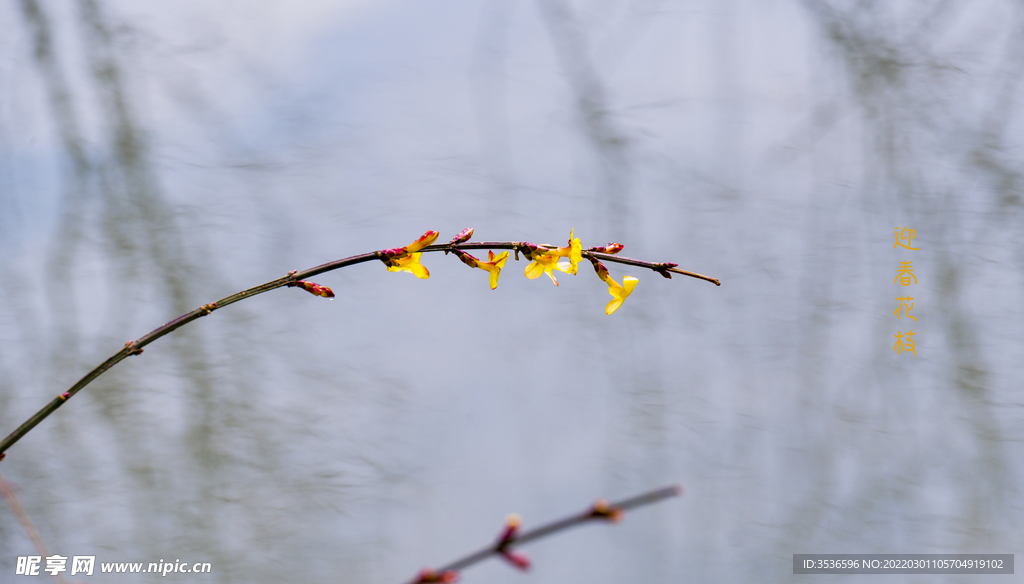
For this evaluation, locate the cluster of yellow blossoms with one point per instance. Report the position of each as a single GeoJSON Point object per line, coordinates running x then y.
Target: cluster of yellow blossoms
{"type": "Point", "coordinates": [544, 260]}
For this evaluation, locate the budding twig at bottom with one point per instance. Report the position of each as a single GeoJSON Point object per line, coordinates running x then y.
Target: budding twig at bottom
{"type": "Point", "coordinates": [511, 536]}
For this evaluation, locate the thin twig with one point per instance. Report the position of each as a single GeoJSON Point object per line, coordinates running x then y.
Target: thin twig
{"type": "Point", "coordinates": [292, 279]}
{"type": "Point", "coordinates": [511, 538]}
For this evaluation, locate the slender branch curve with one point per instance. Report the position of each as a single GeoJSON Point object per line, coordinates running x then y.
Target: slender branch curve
{"type": "Point", "coordinates": [600, 510]}
{"type": "Point", "coordinates": [294, 278]}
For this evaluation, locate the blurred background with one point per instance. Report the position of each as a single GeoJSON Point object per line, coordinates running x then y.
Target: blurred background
{"type": "Point", "coordinates": [158, 156]}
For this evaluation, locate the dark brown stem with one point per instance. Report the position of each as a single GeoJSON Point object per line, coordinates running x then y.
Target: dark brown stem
{"type": "Point", "coordinates": [600, 510]}
{"type": "Point", "coordinates": [520, 246]}
{"type": "Point", "coordinates": [651, 266]}
{"type": "Point", "coordinates": [135, 347]}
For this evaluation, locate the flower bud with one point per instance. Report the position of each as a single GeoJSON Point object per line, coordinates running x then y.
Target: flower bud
{"type": "Point", "coordinates": [312, 288]}
{"type": "Point", "coordinates": [462, 237]}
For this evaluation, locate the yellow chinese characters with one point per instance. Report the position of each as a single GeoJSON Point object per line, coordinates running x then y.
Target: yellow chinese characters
{"type": "Point", "coordinates": [906, 235]}
{"type": "Point", "coordinates": [904, 308]}
{"type": "Point", "coordinates": [905, 273]}
{"type": "Point", "coordinates": [906, 344]}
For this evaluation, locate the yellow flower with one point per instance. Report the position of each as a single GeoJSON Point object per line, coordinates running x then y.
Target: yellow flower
{"type": "Point", "coordinates": [407, 259]}
{"type": "Point", "coordinates": [423, 241]}
{"type": "Point", "coordinates": [619, 293]}
{"type": "Point", "coordinates": [410, 263]}
{"type": "Point", "coordinates": [492, 265]}
{"type": "Point", "coordinates": [545, 264]}
{"type": "Point", "coordinates": [574, 251]}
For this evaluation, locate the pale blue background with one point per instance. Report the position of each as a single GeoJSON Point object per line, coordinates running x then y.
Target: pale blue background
{"type": "Point", "coordinates": [157, 156]}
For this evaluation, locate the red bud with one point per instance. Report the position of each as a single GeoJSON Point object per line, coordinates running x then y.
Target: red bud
{"type": "Point", "coordinates": [312, 288]}
{"type": "Point", "coordinates": [428, 576]}
{"type": "Point", "coordinates": [462, 237]}
{"type": "Point", "coordinates": [516, 559]}
{"type": "Point", "coordinates": [611, 248]}
{"type": "Point", "coordinates": [603, 509]}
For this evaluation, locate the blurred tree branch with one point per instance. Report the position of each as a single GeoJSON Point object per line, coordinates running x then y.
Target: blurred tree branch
{"type": "Point", "coordinates": [511, 537]}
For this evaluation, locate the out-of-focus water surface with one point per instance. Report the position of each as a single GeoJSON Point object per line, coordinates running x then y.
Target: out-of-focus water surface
{"type": "Point", "coordinates": [157, 156]}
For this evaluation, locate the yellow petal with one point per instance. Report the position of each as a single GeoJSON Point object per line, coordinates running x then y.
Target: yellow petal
{"type": "Point", "coordinates": [575, 252]}
{"type": "Point", "coordinates": [411, 264]}
{"type": "Point", "coordinates": [534, 270]}
{"type": "Point", "coordinates": [494, 266]}
{"type": "Point", "coordinates": [629, 282]}
{"type": "Point", "coordinates": [501, 259]}
{"type": "Point", "coordinates": [424, 240]}
{"type": "Point", "coordinates": [619, 293]}
{"type": "Point", "coordinates": [613, 305]}
{"type": "Point", "coordinates": [552, 274]}
{"type": "Point", "coordinates": [418, 269]}
{"type": "Point", "coordinates": [542, 265]}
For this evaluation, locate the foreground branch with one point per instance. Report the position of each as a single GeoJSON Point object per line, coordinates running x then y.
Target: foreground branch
{"type": "Point", "coordinates": [397, 259]}
{"type": "Point", "coordinates": [523, 247]}
{"type": "Point", "coordinates": [510, 537]}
